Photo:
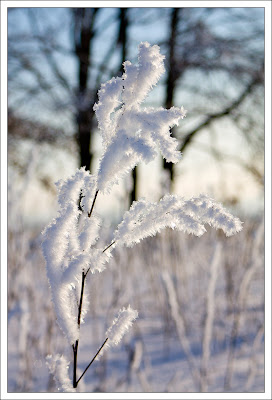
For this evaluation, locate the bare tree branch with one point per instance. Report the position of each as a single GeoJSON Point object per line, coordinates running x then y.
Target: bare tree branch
{"type": "Point", "coordinates": [226, 111]}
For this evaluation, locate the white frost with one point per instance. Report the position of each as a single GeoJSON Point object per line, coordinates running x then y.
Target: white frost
{"type": "Point", "coordinates": [68, 249]}
{"type": "Point", "coordinates": [120, 325]}
{"type": "Point", "coordinates": [130, 133]}
{"type": "Point", "coordinates": [59, 367]}
{"type": "Point", "coordinates": [213, 213]}
{"type": "Point", "coordinates": [147, 219]}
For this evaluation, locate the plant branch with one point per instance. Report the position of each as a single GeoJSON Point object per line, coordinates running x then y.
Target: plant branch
{"type": "Point", "coordinates": [112, 243]}
{"type": "Point", "coordinates": [75, 346]}
{"type": "Point", "coordinates": [81, 298]}
{"type": "Point", "coordinates": [92, 361]}
{"type": "Point", "coordinates": [90, 213]}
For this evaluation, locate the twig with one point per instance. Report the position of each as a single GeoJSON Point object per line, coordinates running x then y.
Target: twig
{"type": "Point", "coordinates": [108, 246]}
{"type": "Point", "coordinates": [112, 243]}
{"type": "Point", "coordinates": [75, 346]}
{"type": "Point", "coordinates": [90, 213]}
{"type": "Point", "coordinates": [92, 361]}
{"type": "Point", "coordinates": [81, 298]}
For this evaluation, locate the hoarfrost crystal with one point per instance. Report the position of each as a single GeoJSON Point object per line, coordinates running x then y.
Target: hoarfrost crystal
{"type": "Point", "coordinates": [120, 325]}
{"type": "Point", "coordinates": [147, 219]}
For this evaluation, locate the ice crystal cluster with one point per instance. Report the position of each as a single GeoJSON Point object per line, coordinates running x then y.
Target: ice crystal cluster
{"type": "Point", "coordinates": [130, 134]}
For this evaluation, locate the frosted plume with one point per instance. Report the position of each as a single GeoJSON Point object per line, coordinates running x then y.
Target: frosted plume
{"type": "Point", "coordinates": [59, 367]}
{"type": "Point", "coordinates": [147, 219]}
{"type": "Point", "coordinates": [213, 213]}
{"type": "Point", "coordinates": [68, 249]}
{"type": "Point", "coordinates": [120, 325]}
{"type": "Point", "coordinates": [123, 124]}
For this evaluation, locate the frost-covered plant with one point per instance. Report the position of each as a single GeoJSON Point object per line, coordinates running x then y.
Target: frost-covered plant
{"type": "Point", "coordinates": [71, 245]}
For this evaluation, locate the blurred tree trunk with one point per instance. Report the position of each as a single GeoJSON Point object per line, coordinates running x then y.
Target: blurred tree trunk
{"type": "Point", "coordinates": [172, 76]}
{"type": "Point", "coordinates": [189, 47]}
{"type": "Point", "coordinates": [123, 41]}
{"type": "Point", "coordinates": [84, 19]}
{"type": "Point", "coordinates": [122, 36]}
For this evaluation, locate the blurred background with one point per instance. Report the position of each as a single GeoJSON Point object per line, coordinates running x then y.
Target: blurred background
{"type": "Point", "coordinates": [214, 59]}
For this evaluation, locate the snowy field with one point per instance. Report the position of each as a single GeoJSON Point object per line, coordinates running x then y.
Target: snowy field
{"type": "Point", "coordinates": [200, 325]}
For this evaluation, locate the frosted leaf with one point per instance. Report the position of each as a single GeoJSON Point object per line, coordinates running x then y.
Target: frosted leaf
{"type": "Point", "coordinates": [109, 99]}
{"type": "Point", "coordinates": [157, 123]}
{"type": "Point", "coordinates": [121, 156]}
{"type": "Point", "coordinates": [147, 219]}
{"type": "Point", "coordinates": [214, 214]}
{"type": "Point", "coordinates": [69, 189]}
{"type": "Point", "coordinates": [64, 243]}
{"type": "Point", "coordinates": [81, 183]}
{"type": "Point", "coordinates": [88, 192]}
{"type": "Point", "coordinates": [56, 240]}
{"type": "Point", "coordinates": [59, 368]}
{"type": "Point", "coordinates": [129, 82]}
{"type": "Point", "coordinates": [89, 231]}
{"type": "Point", "coordinates": [86, 302]}
{"type": "Point", "coordinates": [65, 301]}
{"type": "Point", "coordinates": [120, 325]}
{"type": "Point", "coordinates": [93, 260]}
{"type": "Point", "coordinates": [132, 134]}
{"type": "Point", "coordinates": [139, 82]}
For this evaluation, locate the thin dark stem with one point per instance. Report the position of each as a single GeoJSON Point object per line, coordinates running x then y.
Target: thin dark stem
{"type": "Point", "coordinates": [75, 346]}
{"type": "Point", "coordinates": [92, 361]}
{"type": "Point", "coordinates": [108, 246]}
{"type": "Point", "coordinates": [81, 298]}
{"type": "Point", "coordinates": [90, 213]}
